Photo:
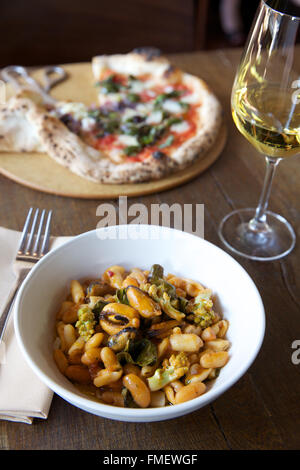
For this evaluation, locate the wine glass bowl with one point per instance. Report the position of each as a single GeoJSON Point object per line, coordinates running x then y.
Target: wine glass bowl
{"type": "Point", "coordinates": [265, 104]}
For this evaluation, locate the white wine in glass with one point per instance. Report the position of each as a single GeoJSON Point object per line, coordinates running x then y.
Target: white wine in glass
{"type": "Point", "coordinates": [265, 116]}
{"type": "Point", "coordinates": [265, 104]}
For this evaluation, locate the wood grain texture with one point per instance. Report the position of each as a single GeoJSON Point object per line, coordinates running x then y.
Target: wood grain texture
{"type": "Point", "coordinates": [262, 410]}
{"type": "Point", "coordinates": [40, 172]}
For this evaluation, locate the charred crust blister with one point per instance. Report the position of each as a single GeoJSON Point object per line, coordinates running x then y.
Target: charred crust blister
{"type": "Point", "coordinates": [148, 52]}
{"type": "Point", "coordinates": [158, 155]}
{"type": "Point", "coordinates": [171, 69]}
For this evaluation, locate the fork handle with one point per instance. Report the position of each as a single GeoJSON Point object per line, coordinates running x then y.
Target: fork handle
{"type": "Point", "coordinates": [7, 307]}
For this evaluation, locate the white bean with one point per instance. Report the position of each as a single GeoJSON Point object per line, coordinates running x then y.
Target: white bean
{"type": "Point", "coordinates": [158, 399]}
{"type": "Point", "coordinates": [214, 359]}
{"type": "Point", "coordinates": [218, 344]}
{"type": "Point", "coordinates": [187, 342]}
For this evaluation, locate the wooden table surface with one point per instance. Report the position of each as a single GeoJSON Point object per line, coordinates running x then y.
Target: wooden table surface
{"type": "Point", "coordinates": [262, 410]}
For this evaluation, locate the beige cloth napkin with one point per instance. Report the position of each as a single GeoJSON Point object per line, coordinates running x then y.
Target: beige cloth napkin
{"type": "Point", "coordinates": [22, 395]}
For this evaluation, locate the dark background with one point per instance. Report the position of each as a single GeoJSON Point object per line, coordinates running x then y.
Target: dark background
{"type": "Point", "coordinates": [38, 32]}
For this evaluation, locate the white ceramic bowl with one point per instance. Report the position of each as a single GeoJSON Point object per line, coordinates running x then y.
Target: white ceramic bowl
{"type": "Point", "coordinates": [179, 253]}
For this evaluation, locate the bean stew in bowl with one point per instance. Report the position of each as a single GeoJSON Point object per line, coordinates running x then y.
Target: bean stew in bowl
{"type": "Point", "coordinates": [138, 322]}
{"type": "Point", "coordinates": [137, 338]}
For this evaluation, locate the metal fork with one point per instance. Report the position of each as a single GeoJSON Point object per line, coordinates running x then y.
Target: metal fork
{"type": "Point", "coordinates": [19, 77]}
{"type": "Point", "coordinates": [33, 246]}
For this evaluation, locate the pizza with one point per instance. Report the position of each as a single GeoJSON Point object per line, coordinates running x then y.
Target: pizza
{"type": "Point", "coordinates": [151, 119]}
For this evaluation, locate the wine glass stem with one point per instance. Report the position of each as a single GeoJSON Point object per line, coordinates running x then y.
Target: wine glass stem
{"type": "Point", "coordinates": [259, 222]}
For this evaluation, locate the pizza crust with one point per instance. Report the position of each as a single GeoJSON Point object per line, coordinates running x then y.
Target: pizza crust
{"type": "Point", "coordinates": [17, 132]}
{"type": "Point", "coordinates": [209, 120]}
{"type": "Point", "coordinates": [27, 126]}
{"type": "Point", "coordinates": [130, 64]}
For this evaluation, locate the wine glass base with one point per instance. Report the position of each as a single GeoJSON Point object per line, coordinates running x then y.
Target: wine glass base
{"type": "Point", "coordinates": [276, 239]}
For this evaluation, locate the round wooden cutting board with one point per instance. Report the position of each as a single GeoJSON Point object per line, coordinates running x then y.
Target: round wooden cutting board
{"type": "Point", "coordinates": [40, 172]}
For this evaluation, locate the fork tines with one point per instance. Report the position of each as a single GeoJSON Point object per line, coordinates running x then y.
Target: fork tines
{"type": "Point", "coordinates": [35, 236]}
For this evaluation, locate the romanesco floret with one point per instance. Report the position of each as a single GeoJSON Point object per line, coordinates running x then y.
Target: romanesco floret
{"type": "Point", "coordinates": [86, 322]}
{"type": "Point", "coordinates": [179, 360]}
{"type": "Point", "coordinates": [177, 367]}
{"type": "Point", "coordinates": [201, 307]}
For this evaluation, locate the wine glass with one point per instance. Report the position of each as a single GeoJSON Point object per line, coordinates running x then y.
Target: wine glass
{"type": "Point", "coordinates": [265, 104]}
